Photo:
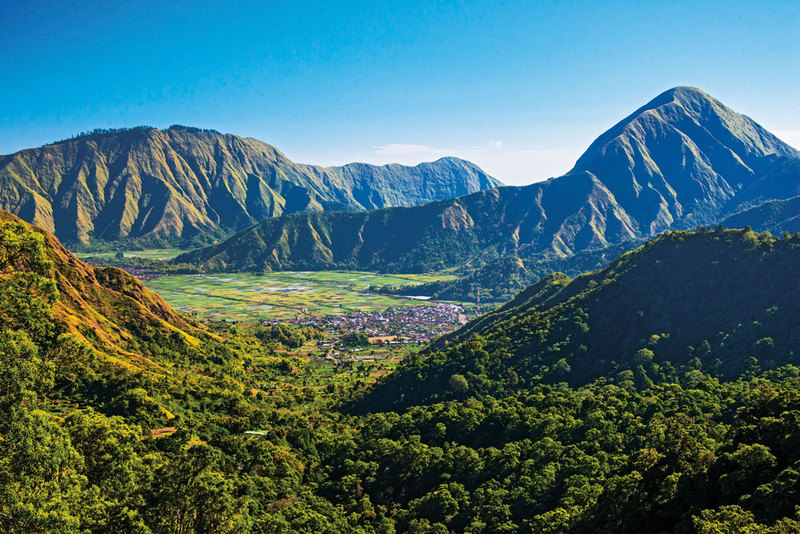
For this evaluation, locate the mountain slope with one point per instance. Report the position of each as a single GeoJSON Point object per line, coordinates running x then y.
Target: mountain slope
{"type": "Point", "coordinates": [684, 157]}
{"type": "Point", "coordinates": [110, 309]}
{"type": "Point", "coordinates": [681, 160]}
{"type": "Point", "coordinates": [710, 295]}
{"type": "Point", "coordinates": [507, 220]}
{"type": "Point", "coordinates": [185, 184]}
{"type": "Point", "coordinates": [775, 216]}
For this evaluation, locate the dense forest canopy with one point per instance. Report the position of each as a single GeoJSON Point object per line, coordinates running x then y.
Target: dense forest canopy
{"type": "Point", "coordinates": [660, 394]}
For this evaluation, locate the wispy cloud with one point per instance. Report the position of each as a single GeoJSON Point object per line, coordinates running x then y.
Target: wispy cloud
{"type": "Point", "coordinates": [511, 164]}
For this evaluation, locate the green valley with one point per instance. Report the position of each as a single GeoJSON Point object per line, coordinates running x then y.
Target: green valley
{"type": "Point", "coordinates": [639, 377]}
{"type": "Point", "coordinates": [282, 295]}
{"type": "Point", "coordinates": [536, 281]}
{"type": "Point", "coordinates": [659, 394]}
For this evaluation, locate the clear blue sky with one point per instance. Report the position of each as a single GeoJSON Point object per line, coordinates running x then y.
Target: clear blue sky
{"type": "Point", "coordinates": [521, 88]}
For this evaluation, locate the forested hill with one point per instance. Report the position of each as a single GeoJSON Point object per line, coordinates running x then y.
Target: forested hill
{"type": "Point", "coordinates": [229, 435]}
{"type": "Point", "coordinates": [775, 216]}
{"type": "Point", "coordinates": [719, 300]}
{"type": "Point", "coordinates": [185, 185]}
{"type": "Point", "coordinates": [107, 309]}
{"type": "Point", "coordinates": [682, 160]}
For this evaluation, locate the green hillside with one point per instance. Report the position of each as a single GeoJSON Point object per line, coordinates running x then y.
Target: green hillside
{"type": "Point", "coordinates": [711, 298]}
{"type": "Point", "coordinates": [657, 395]}
{"type": "Point", "coordinates": [181, 186]}
{"type": "Point", "coordinates": [498, 280]}
{"type": "Point", "coordinates": [107, 309]}
{"type": "Point", "coordinates": [682, 160]}
{"type": "Point", "coordinates": [776, 216]}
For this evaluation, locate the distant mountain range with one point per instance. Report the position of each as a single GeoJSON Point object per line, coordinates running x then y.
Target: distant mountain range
{"type": "Point", "coordinates": [775, 216]}
{"type": "Point", "coordinates": [185, 185]}
{"type": "Point", "coordinates": [682, 160]}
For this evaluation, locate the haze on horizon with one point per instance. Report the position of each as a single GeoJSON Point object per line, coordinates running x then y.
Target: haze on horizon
{"type": "Point", "coordinates": [519, 88]}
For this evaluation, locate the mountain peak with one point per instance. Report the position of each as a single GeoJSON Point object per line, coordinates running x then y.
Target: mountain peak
{"type": "Point", "coordinates": [681, 157]}
{"type": "Point", "coordinates": [682, 93]}
{"type": "Point", "coordinates": [692, 101]}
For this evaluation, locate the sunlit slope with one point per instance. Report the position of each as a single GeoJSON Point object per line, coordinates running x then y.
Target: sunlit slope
{"type": "Point", "coordinates": [681, 160]}
{"type": "Point", "coordinates": [184, 185]}
{"type": "Point", "coordinates": [111, 309]}
{"type": "Point", "coordinates": [686, 157]}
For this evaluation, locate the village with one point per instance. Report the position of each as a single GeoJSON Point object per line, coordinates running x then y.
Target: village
{"type": "Point", "coordinates": [395, 325]}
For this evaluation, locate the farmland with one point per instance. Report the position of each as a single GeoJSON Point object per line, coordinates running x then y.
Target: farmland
{"type": "Point", "coordinates": [282, 295]}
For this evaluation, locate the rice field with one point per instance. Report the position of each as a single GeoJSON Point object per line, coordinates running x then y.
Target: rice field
{"type": "Point", "coordinates": [282, 295]}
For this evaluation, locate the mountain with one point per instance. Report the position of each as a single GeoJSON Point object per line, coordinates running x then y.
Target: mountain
{"type": "Point", "coordinates": [685, 158]}
{"type": "Point", "coordinates": [776, 216]}
{"type": "Point", "coordinates": [185, 185]}
{"type": "Point", "coordinates": [718, 300]}
{"type": "Point", "coordinates": [682, 160]}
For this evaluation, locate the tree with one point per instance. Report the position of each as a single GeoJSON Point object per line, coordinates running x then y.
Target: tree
{"type": "Point", "coordinates": [27, 292]}
{"type": "Point", "coordinates": [355, 339]}
{"type": "Point", "coordinates": [459, 384]}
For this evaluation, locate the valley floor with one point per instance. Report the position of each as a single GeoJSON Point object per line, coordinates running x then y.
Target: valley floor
{"type": "Point", "coordinates": [283, 295]}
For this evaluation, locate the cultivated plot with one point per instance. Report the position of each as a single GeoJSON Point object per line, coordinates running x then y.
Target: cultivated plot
{"type": "Point", "coordinates": [283, 295]}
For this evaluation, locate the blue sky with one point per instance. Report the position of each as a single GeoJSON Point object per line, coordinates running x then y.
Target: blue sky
{"type": "Point", "coordinates": [521, 88]}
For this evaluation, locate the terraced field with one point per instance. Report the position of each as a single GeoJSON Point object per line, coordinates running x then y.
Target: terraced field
{"type": "Point", "coordinates": [283, 295]}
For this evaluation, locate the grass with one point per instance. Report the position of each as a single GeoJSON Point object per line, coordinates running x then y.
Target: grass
{"type": "Point", "coordinates": [147, 254]}
{"type": "Point", "coordinates": [283, 295]}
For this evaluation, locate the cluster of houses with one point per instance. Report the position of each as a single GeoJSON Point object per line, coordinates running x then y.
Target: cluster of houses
{"type": "Point", "coordinates": [400, 324]}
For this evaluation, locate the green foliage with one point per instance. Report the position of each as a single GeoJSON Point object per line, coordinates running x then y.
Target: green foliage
{"type": "Point", "coordinates": [704, 299]}
{"type": "Point", "coordinates": [501, 279]}
{"type": "Point", "coordinates": [355, 339]}
{"type": "Point", "coordinates": [288, 336]}
{"type": "Point", "coordinates": [459, 384]}
{"type": "Point", "coordinates": [499, 429]}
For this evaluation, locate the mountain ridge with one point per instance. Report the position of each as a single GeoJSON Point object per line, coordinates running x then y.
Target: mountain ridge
{"type": "Point", "coordinates": [681, 160]}
{"type": "Point", "coordinates": [192, 185]}
{"type": "Point", "coordinates": [109, 309]}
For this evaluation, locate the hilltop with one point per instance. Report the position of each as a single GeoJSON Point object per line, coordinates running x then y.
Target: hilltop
{"type": "Point", "coordinates": [111, 311]}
